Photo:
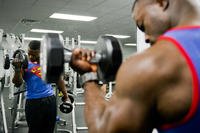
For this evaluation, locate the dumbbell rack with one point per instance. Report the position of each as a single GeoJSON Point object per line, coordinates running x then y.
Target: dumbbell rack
{"type": "Point", "coordinates": [75, 104]}
{"type": "Point", "coordinates": [60, 120]}
{"type": "Point", "coordinates": [110, 91]}
{"type": "Point", "coordinates": [76, 90]}
{"type": "Point", "coordinates": [18, 108]}
{"type": "Point", "coordinates": [4, 127]}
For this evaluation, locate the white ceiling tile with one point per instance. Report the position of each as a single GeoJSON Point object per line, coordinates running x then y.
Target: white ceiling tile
{"type": "Point", "coordinates": [114, 16]}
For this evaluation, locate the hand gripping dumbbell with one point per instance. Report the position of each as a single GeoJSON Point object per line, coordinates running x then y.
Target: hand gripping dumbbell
{"type": "Point", "coordinates": [21, 55]}
{"type": "Point", "coordinates": [53, 55]}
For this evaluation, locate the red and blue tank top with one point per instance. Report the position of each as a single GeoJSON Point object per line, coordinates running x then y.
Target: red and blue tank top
{"type": "Point", "coordinates": [187, 41]}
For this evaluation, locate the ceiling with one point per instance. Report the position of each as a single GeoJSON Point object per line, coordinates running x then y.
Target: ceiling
{"type": "Point", "coordinates": [114, 17]}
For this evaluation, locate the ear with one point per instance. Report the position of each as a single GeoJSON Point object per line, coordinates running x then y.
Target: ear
{"type": "Point", "coordinates": [163, 3]}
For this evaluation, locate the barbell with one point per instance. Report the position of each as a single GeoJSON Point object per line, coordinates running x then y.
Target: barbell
{"type": "Point", "coordinates": [53, 55]}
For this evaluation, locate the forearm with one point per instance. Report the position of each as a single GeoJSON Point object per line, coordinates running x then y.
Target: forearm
{"type": "Point", "coordinates": [17, 78]}
{"type": "Point", "coordinates": [62, 88]}
{"type": "Point", "coordinates": [95, 106]}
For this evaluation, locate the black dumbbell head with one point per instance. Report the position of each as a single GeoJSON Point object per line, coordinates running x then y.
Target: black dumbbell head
{"type": "Point", "coordinates": [6, 62]}
{"type": "Point", "coordinates": [66, 107]}
{"type": "Point", "coordinates": [52, 57]}
{"type": "Point", "coordinates": [111, 57]}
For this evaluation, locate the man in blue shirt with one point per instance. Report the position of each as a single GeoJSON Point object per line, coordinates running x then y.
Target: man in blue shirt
{"type": "Point", "coordinates": [40, 106]}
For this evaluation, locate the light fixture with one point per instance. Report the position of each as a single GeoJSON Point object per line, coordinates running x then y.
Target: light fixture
{"type": "Point", "coordinates": [32, 38]}
{"type": "Point", "coordinates": [72, 17]}
{"type": "Point", "coordinates": [46, 31]}
{"type": "Point", "coordinates": [119, 36]}
{"type": "Point", "coordinates": [130, 44]}
{"type": "Point", "coordinates": [88, 42]}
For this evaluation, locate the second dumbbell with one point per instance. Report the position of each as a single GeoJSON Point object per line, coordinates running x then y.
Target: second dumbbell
{"type": "Point", "coordinates": [21, 55]}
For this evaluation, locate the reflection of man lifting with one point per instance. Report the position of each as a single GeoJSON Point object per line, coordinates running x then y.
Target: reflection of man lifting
{"type": "Point", "coordinates": [40, 106]}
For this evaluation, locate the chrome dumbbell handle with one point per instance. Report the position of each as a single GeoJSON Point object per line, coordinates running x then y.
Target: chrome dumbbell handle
{"type": "Point", "coordinates": [68, 54]}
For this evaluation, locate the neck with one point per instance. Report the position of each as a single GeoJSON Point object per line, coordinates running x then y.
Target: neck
{"type": "Point", "coordinates": [35, 61]}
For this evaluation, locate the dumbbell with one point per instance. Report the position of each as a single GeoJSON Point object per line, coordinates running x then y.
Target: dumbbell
{"type": "Point", "coordinates": [20, 54]}
{"type": "Point", "coordinates": [67, 107]}
{"type": "Point", "coordinates": [6, 62]}
{"type": "Point", "coordinates": [53, 55]}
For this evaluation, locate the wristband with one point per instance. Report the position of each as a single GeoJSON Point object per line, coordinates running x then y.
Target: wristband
{"type": "Point", "coordinates": [90, 76]}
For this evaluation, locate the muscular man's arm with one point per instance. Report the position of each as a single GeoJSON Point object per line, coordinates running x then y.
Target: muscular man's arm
{"type": "Point", "coordinates": [18, 77]}
{"type": "Point", "coordinates": [62, 87]}
{"type": "Point", "coordinates": [18, 72]}
{"type": "Point", "coordinates": [125, 112]}
{"type": "Point", "coordinates": [133, 106]}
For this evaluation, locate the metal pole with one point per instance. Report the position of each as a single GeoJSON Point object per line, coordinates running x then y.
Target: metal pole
{"type": "Point", "coordinates": [74, 90]}
{"type": "Point", "coordinates": [3, 110]}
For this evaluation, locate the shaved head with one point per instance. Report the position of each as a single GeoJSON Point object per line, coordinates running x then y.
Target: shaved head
{"type": "Point", "coordinates": [134, 5]}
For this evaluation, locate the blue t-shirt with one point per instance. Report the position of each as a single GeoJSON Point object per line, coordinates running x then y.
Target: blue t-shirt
{"type": "Point", "coordinates": [36, 87]}
{"type": "Point", "coordinates": [187, 41]}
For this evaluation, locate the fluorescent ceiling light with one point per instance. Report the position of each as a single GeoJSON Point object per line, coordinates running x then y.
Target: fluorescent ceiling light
{"type": "Point", "coordinates": [72, 17]}
{"type": "Point", "coordinates": [88, 42]}
{"type": "Point", "coordinates": [118, 36]}
{"type": "Point", "coordinates": [46, 31]}
{"type": "Point", "coordinates": [130, 44]}
{"type": "Point", "coordinates": [32, 38]}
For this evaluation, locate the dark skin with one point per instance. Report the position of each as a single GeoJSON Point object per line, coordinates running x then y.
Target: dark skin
{"type": "Point", "coordinates": [158, 78]}
{"type": "Point", "coordinates": [34, 57]}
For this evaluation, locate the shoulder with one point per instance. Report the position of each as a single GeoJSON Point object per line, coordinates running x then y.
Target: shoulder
{"type": "Point", "coordinates": [159, 64]}
{"type": "Point", "coordinates": [32, 64]}
{"type": "Point", "coordinates": [148, 78]}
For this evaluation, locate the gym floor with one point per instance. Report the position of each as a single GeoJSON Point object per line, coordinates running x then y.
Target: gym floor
{"type": "Point", "coordinates": [79, 120]}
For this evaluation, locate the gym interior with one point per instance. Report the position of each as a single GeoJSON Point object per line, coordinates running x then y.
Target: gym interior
{"type": "Point", "coordinates": [25, 20]}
